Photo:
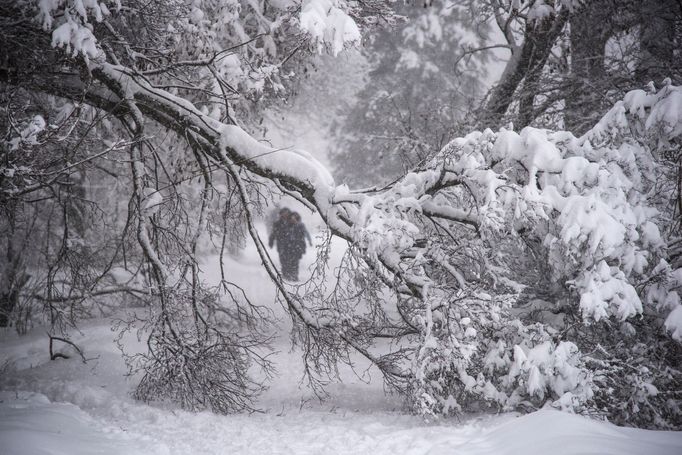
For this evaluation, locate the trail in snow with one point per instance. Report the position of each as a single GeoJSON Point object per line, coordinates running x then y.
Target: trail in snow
{"type": "Point", "coordinates": [68, 407]}
{"type": "Point", "coordinates": [30, 424]}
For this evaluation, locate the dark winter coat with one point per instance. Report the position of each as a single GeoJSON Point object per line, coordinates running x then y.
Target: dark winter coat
{"type": "Point", "coordinates": [282, 235]}
{"type": "Point", "coordinates": [299, 235]}
{"type": "Point", "coordinates": [290, 238]}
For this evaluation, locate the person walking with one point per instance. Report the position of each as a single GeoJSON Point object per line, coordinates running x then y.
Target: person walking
{"type": "Point", "coordinates": [290, 235]}
{"type": "Point", "coordinates": [299, 236]}
{"type": "Point", "coordinates": [282, 235]}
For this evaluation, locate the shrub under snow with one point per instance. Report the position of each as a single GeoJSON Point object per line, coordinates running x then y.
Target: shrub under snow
{"type": "Point", "coordinates": [575, 229]}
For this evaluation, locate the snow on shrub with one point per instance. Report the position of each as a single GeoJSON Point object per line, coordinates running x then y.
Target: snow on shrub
{"type": "Point", "coordinates": [529, 267]}
{"type": "Point", "coordinates": [328, 24]}
{"type": "Point", "coordinates": [587, 208]}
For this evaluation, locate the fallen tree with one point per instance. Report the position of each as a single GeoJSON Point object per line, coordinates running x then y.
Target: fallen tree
{"type": "Point", "coordinates": [510, 270]}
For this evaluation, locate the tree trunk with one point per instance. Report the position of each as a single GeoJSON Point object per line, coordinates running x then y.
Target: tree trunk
{"type": "Point", "coordinates": [654, 24]}
{"type": "Point", "coordinates": [589, 33]}
{"type": "Point", "coordinates": [13, 277]}
{"type": "Point", "coordinates": [530, 57]}
{"type": "Point", "coordinates": [658, 41]}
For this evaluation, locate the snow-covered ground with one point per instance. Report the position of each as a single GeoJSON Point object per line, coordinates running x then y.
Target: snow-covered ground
{"type": "Point", "coordinates": [71, 407]}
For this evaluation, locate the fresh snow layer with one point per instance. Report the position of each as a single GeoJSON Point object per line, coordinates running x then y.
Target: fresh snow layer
{"type": "Point", "coordinates": [31, 424]}
{"type": "Point", "coordinates": [70, 407]}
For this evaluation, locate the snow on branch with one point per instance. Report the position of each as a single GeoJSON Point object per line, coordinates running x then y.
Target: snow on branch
{"type": "Point", "coordinates": [584, 201]}
{"type": "Point", "coordinates": [483, 262]}
{"type": "Point", "coordinates": [329, 25]}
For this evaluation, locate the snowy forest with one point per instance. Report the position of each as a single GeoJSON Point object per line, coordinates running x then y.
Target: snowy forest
{"type": "Point", "coordinates": [493, 190]}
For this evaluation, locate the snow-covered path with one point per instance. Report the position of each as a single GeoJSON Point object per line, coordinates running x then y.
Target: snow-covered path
{"type": "Point", "coordinates": [68, 407]}
{"type": "Point", "coordinates": [86, 408]}
{"type": "Point", "coordinates": [30, 424]}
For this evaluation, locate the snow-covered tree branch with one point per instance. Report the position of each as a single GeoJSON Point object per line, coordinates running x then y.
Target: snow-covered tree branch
{"type": "Point", "coordinates": [511, 269]}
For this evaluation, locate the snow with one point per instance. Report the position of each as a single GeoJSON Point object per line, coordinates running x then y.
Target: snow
{"type": "Point", "coordinates": [27, 136]}
{"type": "Point", "coordinates": [605, 229]}
{"type": "Point", "coordinates": [409, 59]}
{"type": "Point", "coordinates": [152, 201]}
{"type": "Point", "coordinates": [668, 113]}
{"type": "Point", "coordinates": [74, 33]}
{"type": "Point", "coordinates": [540, 10]}
{"type": "Point", "coordinates": [328, 24]}
{"type": "Point", "coordinates": [296, 163]}
{"type": "Point", "coordinates": [664, 109]}
{"type": "Point", "coordinates": [605, 291]}
{"type": "Point", "coordinates": [291, 163]}
{"type": "Point", "coordinates": [32, 424]}
{"type": "Point", "coordinates": [558, 433]}
{"type": "Point", "coordinates": [588, 189]}
{"type": "Point", "coordinates": [673, 323]}
{"type": "Point", "coordinates": [68, 407]}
